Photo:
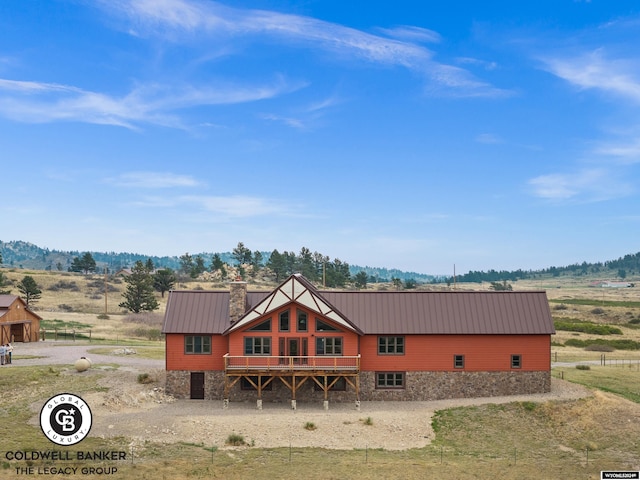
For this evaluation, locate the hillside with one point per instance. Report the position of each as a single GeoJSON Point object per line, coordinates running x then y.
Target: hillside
{"type": "Point", "coordinates": [25, 255]}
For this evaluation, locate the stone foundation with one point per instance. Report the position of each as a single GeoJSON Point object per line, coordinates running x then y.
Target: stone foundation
{"type": "Point", "coordinates": [419, 386]}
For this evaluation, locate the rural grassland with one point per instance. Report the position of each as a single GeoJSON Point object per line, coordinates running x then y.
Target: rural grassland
{"type": "Point", "coordinates": [568, 439]}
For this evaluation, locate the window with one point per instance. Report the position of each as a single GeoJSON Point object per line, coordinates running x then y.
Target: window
{"type": "Point", "coordinates": [302, 321]}
{"type": "Point", "coordinates": [324, 326]}
{"type": "Point", "coordinates": [390, 345]}
{"type": "Point", "coordinates": [284, 321]}
{"type": "Point", "coordinates": [339, 384]}
{"type": "Point", "coordinates": [516, 361]}
{"type": "Point", "coordinates": [261, 327]}
{"type": "Point", "coordinates": [195, 344]}
{"type": "Point", "coordinates": [257, 345]}
{"type": "Point", "coordinates": [389, 380]}
{"type": "Point", "coordinates": [245, 384]}
{"type": "Point", "coordinates": [328, 345]}
{"type": "Point", "coordinates": [458, 361]}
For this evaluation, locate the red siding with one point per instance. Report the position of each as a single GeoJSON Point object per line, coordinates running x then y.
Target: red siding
{"type": "Point", "coordinates": [236, 338]}
{"type": "Point", "coordinates": [481, 353]}
{"type": "Point", "coordinates": [177, 360]}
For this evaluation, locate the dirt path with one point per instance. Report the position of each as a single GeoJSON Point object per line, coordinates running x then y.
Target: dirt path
{"type": "Point", "coordinates": [145, 413]}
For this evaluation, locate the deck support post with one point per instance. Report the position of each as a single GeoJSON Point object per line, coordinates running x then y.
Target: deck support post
{"type": "Point", "coordinates": [325, 404]}
{"type": "Point", "coordinates": [358, 405]}
{"type": "Point", "coordinates": [259, 404]}
{"type": "Point", "coordinates": [293, 404]}
{"type": "Point", "coordinates": [225, 403]}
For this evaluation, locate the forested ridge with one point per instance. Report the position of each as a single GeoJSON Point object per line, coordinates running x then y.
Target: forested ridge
{"type": "Point", "coordinates": [20, 254]}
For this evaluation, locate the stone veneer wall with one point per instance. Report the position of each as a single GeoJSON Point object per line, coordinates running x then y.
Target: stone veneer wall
{"type": "Point", "coordinates": [419, 386]}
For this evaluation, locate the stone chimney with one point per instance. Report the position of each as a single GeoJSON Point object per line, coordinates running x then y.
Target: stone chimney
{"type": "Point", "coordinates": [237, 300]}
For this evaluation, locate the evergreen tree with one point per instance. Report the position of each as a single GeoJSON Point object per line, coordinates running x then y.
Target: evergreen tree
{"type": "Point", "coordinates": [241, 254]}
{"type": "Point", "coordinates": [4, 282]}
{"type": "Point", "coordinates": [84, 264]}
{"type": "Point", "coordinates": [277, 265]}
{"type": "Point", "coordinates": [186, 264]}
{"type": "Point", "coordinates": [139, 296]}
{"type": "Point", "coordinates": [218, 265]}
{"type": "Point", "coordinates": [150, 266]}
{"type": "Point", "coordinates": [29, 290]}
{"type": "Point", "coordinates": [164, 280]}
{"type": "Point", "coordinates": [360, 279]}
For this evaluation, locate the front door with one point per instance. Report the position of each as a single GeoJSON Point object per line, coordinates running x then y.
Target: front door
{"type": "Point", "coordinates": [293, 348]}
{"type": "Point", "coordinates": [197, 385]}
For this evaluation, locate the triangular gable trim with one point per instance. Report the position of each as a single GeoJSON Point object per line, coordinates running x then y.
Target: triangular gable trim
{"type": "Point", "coordinates": [294, 290]}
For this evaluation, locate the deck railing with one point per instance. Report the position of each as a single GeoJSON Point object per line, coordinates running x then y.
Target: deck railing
{"type": "Point", "coordinates": [291, 364]}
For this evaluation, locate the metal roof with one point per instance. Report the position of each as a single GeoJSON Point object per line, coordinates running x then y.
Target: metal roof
{"type": "Point", "coordinates": [385, 313]}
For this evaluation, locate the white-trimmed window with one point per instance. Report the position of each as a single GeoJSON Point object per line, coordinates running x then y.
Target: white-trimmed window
{"type": "Point", "coordinates": [197, 344]}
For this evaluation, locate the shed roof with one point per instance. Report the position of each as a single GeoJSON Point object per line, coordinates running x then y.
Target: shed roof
{"type": "Point", "coordinates": [385, 313]}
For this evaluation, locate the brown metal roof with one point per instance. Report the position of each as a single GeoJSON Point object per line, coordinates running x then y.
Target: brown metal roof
{"type": "Point", "coordinates": [400, 313]}
{"type": "Point", "coordinates": [7, 300]}
{"type": "Point", "coordinates": [436, 313]}
{"type": "Point", "coordinates": [201, 311]}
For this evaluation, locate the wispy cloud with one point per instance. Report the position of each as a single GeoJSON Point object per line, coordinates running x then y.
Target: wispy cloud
{"type": "Point", "coordinates": [627, 152]}
{"type": "Point", "coordinates": [224, 207]}
{"type": "Point", "coordinates": [594, 70]}
{"type": "Point", "coordinates": [587, 185]}
{"type": "Point", "coordinates": [211, 22]}
{"type": "Point", "coordinates": [488, 138]}
{"type": "Point", "coordinates": [41, 102]}
{"type": "Point", "coordinates": [153, 180]}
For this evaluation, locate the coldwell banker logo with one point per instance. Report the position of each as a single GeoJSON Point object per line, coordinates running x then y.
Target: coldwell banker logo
{"type": "Point", "coordinates": [65, 419]}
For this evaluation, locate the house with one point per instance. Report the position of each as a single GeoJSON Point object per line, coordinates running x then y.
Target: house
{"type": "Point", "coordinates": [299, 343]}
{"type": "Point", "coordinates": [17, 322]}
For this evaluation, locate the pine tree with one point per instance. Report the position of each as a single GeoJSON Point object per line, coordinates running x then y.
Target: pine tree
{"type": "Point", "coordinates": [29, 290]}
{"type": "Point", "coordinates": [139, 296]}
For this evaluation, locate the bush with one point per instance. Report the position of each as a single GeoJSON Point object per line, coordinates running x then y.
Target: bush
{"type": "Point", "coordinates": [235, 440]}
{"type": "Point", "coordinates": [145, 378]}
{"type": "Point", "coordinates": [561, 306]}
{"type": "Point", "coordinates": [310, 426]}
{"type": "Point", "coordinates": [583, 367]}
{"type": "Point", "coordinates": [597, 311]}
{"type": "Point", "coordinates": [368, 421]}
{"type": "Point", "coordinates": [586, 327]}
{"type": "Point", "coordinates": [617, 344]}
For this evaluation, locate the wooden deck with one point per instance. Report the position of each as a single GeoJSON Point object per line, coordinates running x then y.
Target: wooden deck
{"type": "Point", "coordinates": [279, 364]}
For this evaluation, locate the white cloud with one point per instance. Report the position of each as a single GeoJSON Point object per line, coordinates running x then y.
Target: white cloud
{"type": "Point", "coordinates": [153, 180]}
{"type": "Point", "coordinates": [594, 70]}
{"type": "Point", "coordinates": [40, 102]}
{"type": "Point", "coordinates": [628, 153]}
{"type": "Point", "coordinates": [588, 185]}
{"type": "Point", "coordinates": [488, 138]}
{"type": "Point", "coordinates": [206, 23]}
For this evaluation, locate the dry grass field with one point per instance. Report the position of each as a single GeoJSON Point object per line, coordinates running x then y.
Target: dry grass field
{"type": "Point", "coordinates": [573, 439]}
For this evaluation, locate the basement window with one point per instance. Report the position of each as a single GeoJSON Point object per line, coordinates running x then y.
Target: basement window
{"type": "Point", "coordinates": [390, 380]}
{"type": "Point", "coordinates": [458, 361]}
{"type": "Point", "coordinates": [197, 345]}
{"type": "Point", "coordinates": [516, 361]}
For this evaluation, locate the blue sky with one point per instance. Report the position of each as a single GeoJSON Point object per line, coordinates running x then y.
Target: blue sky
{"type": "Point", "coordinates": [407, 134]}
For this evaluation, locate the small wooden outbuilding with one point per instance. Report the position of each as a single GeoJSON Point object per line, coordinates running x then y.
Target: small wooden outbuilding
{"type": "Point", "coordinates": [17, 322]}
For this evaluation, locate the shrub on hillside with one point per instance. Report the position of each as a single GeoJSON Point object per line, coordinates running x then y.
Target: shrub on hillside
{"type": "Point", "coordinates": [586, 327]}
{"type": "Point", "coordinates": [617, 344]}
